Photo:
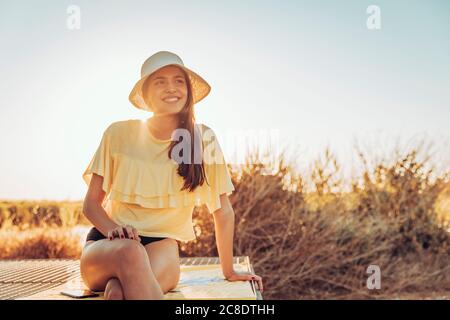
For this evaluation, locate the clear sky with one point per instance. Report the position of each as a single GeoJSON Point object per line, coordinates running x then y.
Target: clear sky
{"type": "Point", "coordinates": [310, 71]}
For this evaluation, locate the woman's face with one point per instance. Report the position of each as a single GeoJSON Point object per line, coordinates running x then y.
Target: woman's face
{"type": "Point", "coordinates": [167, 90]}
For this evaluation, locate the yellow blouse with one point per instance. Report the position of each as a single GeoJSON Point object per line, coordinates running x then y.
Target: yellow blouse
{"type": "Point", "coordinates": [142, 185]}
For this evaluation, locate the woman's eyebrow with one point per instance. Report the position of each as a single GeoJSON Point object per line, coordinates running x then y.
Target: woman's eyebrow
{"type": "Point", "coordinates": [161, 77]}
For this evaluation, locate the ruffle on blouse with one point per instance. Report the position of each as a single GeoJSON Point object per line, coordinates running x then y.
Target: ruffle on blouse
{"type": "Point", "coordinates": [155, 185]}
{"type": "Point", "coordinates": [101, 164]}
{"type": "Point", "coordinates": [158, 185]}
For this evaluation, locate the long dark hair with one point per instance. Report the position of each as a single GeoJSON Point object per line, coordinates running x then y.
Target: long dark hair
{"type": "Point", "coordinates": [193, 173]}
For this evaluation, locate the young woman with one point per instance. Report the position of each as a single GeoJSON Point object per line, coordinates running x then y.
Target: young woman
{"type": "Point", "coordinates": [153, 174]}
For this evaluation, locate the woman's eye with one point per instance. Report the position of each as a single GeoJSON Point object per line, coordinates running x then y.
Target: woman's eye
{"type": "Point", "coordinates": [181, 81]}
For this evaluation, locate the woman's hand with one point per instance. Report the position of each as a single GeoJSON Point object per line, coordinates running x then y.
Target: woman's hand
{"type": "Point", "coordinates": [238, 276]}
{"type": "Point", "coordinates": [124, 232]}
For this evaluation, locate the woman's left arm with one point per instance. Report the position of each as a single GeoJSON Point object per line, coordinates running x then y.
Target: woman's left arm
{"type": "Point", "coordinates": [224, 228]}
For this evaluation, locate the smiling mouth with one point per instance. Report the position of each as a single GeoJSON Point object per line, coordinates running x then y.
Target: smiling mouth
{"type": "Point", "coordinates": [171, 100]}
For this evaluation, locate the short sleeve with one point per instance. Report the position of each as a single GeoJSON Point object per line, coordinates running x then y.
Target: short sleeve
{"type": "Point", "coordinates": [101, 163]}
{"type": "Point", "coordinates": [217, 171]}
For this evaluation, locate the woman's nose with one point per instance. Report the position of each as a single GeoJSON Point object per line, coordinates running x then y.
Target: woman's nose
{"type": "Point", "coordinates": [170, 88]}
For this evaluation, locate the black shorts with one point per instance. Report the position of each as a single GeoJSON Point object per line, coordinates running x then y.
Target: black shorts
{"type": "Point", "coordinates": [95, 234]}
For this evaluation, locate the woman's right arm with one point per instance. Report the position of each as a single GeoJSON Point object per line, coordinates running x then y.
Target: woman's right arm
{"type": "Point", "coordinates": [92, 206]}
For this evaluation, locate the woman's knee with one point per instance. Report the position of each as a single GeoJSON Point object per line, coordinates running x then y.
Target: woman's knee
{"type": "Point", "coordinates": [109, 258]}
{"type": "Point", "coordinates": [129, 251]}
{"type": "Point", "coordinates": [130, 255]}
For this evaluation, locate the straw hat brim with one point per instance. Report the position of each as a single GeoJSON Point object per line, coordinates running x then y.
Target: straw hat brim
{"type": "Point", "coordinates": [200, 88]}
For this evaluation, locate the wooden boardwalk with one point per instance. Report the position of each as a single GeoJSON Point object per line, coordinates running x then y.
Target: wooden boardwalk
{"type": "Point", "coordinates": [44, 279]}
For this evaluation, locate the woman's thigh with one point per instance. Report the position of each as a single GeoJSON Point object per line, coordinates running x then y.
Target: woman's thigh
{"type": "Point", "coordinates": [104, 259]}
{"type": "Point", "coordinates": [165, 262]}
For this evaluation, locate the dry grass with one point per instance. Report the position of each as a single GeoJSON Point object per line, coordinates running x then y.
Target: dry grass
{"type": "Point", "coordinates": [314, 244]}
{"type": "Point", "coordinates": [24, 215]}
{"type": "Point", "coordinates": [318, 244]}
{"type": "Point", "coordinates": [39, 243]}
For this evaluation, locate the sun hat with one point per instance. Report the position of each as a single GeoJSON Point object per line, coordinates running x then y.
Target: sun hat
{"type": "Point", "coordinates": [200, 88]}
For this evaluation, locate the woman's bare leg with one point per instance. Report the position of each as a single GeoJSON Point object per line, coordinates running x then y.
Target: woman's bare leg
{"type": "Point", "coordinates": [113, 290]}
{"type": "Point", "coordinates": [124, 259]}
